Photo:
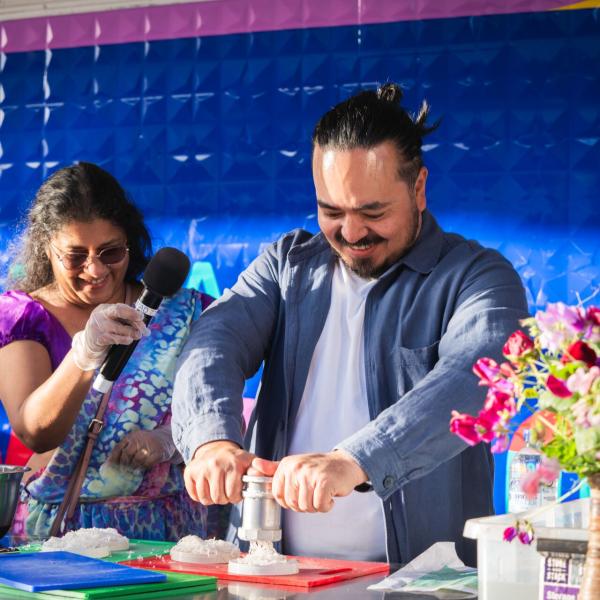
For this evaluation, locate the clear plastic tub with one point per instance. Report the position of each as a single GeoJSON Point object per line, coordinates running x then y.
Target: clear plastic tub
{"type": "Point", "coordinates": [512, 569]}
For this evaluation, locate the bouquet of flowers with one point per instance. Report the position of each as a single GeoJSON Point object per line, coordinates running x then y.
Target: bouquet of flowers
{"type": "Point", "coordinates": [554, 371]}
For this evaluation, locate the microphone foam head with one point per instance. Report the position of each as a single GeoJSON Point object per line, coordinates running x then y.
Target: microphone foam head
{"type": "Point", "coordinates": [166, 271]}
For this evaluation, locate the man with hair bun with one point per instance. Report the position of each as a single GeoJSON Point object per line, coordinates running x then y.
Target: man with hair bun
{"type": "Point", "coordinates": [368, 331]}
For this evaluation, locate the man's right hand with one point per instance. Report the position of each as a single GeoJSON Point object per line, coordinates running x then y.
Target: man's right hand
{"type": "Point", "coordinates": [214, 475]}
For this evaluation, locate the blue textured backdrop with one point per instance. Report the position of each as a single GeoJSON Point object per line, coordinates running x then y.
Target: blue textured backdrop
{"type": "Point", "coordinates": [211, 135]}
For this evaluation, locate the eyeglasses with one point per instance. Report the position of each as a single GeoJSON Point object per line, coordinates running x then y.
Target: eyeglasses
{"type": "Point", "coordinates": [78, 260]}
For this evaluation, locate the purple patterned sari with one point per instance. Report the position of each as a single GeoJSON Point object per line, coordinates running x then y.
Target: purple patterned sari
{"type": "Point", "coordinates": [145, 504]}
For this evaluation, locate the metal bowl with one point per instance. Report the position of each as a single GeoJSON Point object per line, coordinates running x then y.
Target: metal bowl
{"type": "Point", "coordinates": [10, 478]}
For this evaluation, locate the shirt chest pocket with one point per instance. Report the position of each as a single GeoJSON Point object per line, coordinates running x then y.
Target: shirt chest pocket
{"type": "Point", "coordinates": [413, 364]}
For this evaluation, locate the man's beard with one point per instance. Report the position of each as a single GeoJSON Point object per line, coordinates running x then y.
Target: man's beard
{"type": "Point", "coordinates": [365, 267]}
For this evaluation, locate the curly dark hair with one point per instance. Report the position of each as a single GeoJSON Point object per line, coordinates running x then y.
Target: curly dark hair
{"type": "Point", "coordinates": [373, 117]}
{"type": "Point", "coordinates": [79, 193]}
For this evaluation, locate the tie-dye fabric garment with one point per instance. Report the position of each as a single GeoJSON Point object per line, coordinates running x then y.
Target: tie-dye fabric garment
{"type": "Point", "coordinates": [145, 504]}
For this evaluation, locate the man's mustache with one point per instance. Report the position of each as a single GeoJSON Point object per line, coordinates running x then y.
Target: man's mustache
{"type": "Point", "coordinates": [364, 242]}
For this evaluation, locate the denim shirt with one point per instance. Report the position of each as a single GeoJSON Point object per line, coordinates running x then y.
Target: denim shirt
{"type": "Point", "coordinates": [429, 317]}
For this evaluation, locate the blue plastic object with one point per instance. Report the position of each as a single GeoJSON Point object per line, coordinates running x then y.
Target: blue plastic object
{"type": "Point", "coordinates": [40, 571]}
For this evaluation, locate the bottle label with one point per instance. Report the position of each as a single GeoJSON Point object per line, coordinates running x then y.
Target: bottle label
{"type": "Point", "coordinates": [522, 464]}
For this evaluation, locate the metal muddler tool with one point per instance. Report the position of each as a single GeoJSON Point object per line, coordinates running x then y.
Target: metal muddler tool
{"type": "Point", "coordinates": [261, 515]}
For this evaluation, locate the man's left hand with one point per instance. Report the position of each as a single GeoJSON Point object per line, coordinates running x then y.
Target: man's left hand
{"type": "Point", "coordinates": [310, 482]}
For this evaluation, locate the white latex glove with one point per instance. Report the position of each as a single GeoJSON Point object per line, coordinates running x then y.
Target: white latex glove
{"type": "Point", "coordinates": [146, 448]}
{"type": "Point", "coordinates": [108, 324]}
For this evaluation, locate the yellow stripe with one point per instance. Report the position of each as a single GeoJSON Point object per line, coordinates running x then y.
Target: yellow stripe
{"type": "Point", "coordinates": [580, 5]}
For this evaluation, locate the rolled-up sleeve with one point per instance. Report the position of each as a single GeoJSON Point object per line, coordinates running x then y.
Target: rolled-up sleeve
{"type": "Point", "coordinates": [225, 347]}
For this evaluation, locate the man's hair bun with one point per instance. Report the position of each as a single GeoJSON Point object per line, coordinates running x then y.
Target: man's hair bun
{"type": "Point", "coordinates": [390, 92]}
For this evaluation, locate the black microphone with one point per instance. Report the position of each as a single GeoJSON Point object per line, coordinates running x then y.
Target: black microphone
{"type": "Point", "coordinates": [164, 275]}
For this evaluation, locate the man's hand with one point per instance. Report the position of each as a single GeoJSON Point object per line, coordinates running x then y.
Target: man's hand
{"type": "Point", "coordinates": [214, 476]}
{"type": "Point", "coordinates": [310, 482]}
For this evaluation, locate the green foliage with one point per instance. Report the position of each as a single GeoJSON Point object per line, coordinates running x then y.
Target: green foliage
{"type": "Point", "coordinates": [565, 452]}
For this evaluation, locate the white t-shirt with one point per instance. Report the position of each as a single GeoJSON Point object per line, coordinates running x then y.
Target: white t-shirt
{"type": "Point", "coordinates": [334, 405]}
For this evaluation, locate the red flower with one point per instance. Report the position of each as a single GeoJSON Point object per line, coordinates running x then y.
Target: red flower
{"type": "Point", "coordinates": [517, 345]}
{"type": "Point", "coordinates": [487, 370]}
{"type": "Point", "coordinates": [558, 387]}
{"type": "Point", "coordinates": [497, 402]}
{"type": "Point", "coordinates": [580, 351]}
{"type": "Point", "coordinates": [593, 314]}
{"type": "Point", "coordinates": [484, 425]}
{"type": "Point", "coordinates": [463, 426]}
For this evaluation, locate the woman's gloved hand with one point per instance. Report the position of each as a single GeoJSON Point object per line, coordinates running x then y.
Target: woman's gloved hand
{"type": "Point", "coordinates": [145, 448]}
{"type": "Point", "coordinates": [108, 324]}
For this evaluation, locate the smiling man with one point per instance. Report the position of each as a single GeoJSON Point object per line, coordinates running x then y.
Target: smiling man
{"type": "Point", "coordinates": [367, 213]}
{"type": "Point", "coordinates": [368, 331]}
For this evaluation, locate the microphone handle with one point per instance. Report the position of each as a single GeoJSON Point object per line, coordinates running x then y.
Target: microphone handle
{"type": "Point", "coordinates": [119, 354]}
{"type": "Point", "coordinates": [114, 365]}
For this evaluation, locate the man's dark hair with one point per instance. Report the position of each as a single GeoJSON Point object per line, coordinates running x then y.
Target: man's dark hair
{"type": "Point", "coordinates": [80, 193]}
{"type": "Point", "coordinates": [373, 117]}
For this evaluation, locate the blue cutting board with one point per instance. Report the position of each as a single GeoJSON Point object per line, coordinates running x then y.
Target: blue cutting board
{"type": "Point", "coordinates": [40, 571]}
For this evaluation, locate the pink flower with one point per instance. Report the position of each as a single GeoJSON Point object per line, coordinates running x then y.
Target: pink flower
{"type": "Point", "coordinates": [530, 483]}
{"type": "Point", "coordinates": [503, 386]}
{"type": "Point", "coordinates": [497, 402]}
{"type": "Point", "coordinates": [463, 425]}
{"type": "Point", "coordinates": [487, 370]}
{"type": "Point", "coordinates": [485, 425]}
{"type": "Point", "coordinates": [510, 533]}
{"type": "Point", "coordinates": [580, 351]}
{"type": "Point", "coordinates": [476, 429]}
{"type": "Point", "coordinates": [517, 345]}
{"type": "Point", "coordinates": [522, 530]}
{"type": "Point", "coordinates": [526, 536]}
{"type": "Point", "coordinates": [581, 381]}
{"type": "Point", "coordinates": [556, 359]}
{"type": "Point", "coordinates": [558, 324]}
{"type": "Point", "coordinates": [558, 387]}
{"type": "Point", "coordinates": [547, 472]}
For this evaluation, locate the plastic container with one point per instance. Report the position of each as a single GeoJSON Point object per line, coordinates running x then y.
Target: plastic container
{"type": "Point", "coordinates": [512, 569]}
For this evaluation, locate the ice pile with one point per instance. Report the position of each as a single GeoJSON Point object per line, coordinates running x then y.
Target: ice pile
{"type": "Point", "coordinates": [194, 549]}
{"type": "Point", "coordinates": [263, 559]}
{"type": "Point", "coordinates": [93, 542]}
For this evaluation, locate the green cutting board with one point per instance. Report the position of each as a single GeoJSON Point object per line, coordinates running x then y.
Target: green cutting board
{"type": "Point", "coordinates": [137, 549]}
{"type": "Point", "coordinates": [141, 549]}
{"type": "Point", "coordinates": [180, 583]}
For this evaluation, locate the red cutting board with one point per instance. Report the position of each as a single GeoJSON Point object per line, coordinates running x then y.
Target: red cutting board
{"type": "Point", "coordinates": [313, 571]}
